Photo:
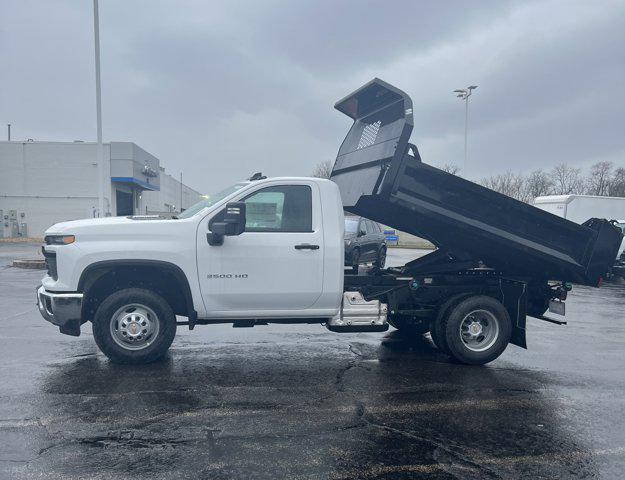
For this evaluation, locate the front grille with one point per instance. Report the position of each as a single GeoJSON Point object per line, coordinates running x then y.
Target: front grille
{"type": "Point", "coordinates": [51, 264]}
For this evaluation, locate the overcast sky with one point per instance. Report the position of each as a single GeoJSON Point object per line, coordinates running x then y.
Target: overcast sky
{"type": "Point", "coordinates": [220, 90]}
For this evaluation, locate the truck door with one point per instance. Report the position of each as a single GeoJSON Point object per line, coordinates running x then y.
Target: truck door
{"type": "Point", "coordinates": [276, 264]}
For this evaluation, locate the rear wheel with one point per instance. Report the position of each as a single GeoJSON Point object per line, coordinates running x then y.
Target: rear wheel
{"type": "Point", "coordinates": [134, 325]}
{"type": "Point", "coordinates": [436, 328]}
{"type": "Point", "coordinates": [477, 330]}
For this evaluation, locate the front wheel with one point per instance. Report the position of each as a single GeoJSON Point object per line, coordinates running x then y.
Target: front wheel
{"type": "Point", "coordinates": [477, 330]}
{"type": "Point", "coordinates": [134, 325]}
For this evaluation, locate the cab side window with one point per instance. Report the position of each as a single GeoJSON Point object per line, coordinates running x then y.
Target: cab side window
{"type": "Point", "coordinates": [284, 208]}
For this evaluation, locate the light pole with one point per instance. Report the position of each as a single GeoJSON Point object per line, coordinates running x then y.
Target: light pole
{"type": "Point", "coordinates": [98, 104]}
{"type": "Point", "coordinates": [464, 94]}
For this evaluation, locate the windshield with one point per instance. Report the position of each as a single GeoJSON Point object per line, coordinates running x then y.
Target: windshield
{"type": "Point", "coordinates": [211, 200]}
{"type": "Point", "coordinates": [351, 225]}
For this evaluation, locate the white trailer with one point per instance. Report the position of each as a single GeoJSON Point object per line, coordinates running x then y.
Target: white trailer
{"type": "Point", "coordinates": [579, 208]}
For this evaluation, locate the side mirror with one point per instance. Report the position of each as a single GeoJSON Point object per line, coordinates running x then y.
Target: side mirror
{"type": "Point", "coordinates": [361, 233]}
{"type": "Point", "coordinates": [232, 224]}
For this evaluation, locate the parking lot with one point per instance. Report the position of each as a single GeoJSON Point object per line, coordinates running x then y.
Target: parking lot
{"type": "Point", "coordinates": [297, 401]}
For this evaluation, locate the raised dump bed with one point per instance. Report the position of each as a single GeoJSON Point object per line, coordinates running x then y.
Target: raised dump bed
{"type": "Point", "coordinates": [381, 177]}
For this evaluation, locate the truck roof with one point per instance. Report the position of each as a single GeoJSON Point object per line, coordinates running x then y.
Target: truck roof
{"type": "Point", "coordinates": [286, 179]}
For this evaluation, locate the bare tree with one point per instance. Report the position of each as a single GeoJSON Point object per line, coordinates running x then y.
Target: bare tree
{"type": "Point", "coordinates": [451, 168]}
{"type": "Point", "coordinates": [600, 178]}
{"type": "Point", "coordinates": [617, 183]}
{"type": "Point", "coordinates": [537, 184]}
{"type": "Point", "coordinates": [323, 169]}
{"type": "Point", "coordinates": [567, 180]}
{"type": "Point", "coordinates": [508, 183]}
{"type": "Point", "coordinates": [561, 180]}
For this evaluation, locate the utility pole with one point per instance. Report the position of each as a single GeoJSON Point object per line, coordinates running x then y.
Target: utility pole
{"type": "Point", "coordinates": [8, 132]}
{"type": "Point", "coordinates": [98, 103]}
{"type": "Point", "coordinates": [464, 94]}
{"type": "Point", "coordinates": [180, 191]}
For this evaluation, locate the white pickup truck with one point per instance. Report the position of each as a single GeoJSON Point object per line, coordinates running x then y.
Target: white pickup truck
{"type": "Point", "coordinates": [271, 250]}
{"type": "Point", "coordinates": [278, 255]}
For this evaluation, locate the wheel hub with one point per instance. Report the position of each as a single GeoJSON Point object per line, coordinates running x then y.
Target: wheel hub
{"type": "Point", "coordinates": [475, 328]}
{"type": "Point", "coordinates": [134, 326]}
{"type": "Point", "coordinates": [479, 330]}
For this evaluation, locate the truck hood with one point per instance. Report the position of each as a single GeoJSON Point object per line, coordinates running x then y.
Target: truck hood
{"type": "Point", "coordinates": [93, 224]}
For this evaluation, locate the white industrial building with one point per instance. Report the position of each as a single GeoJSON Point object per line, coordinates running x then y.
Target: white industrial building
{"type": "Point", "coordinates": [42, 183]}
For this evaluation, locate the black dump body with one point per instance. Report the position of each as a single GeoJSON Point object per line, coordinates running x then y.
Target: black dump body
{"type": "Point", "coordinates": [381, 177]}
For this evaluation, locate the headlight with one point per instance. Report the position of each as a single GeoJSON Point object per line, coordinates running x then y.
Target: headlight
{"type": "Point", "coordinates": [59, 239]}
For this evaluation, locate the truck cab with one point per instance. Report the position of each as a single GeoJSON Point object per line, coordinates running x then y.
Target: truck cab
{"type": "Point", "coordinates": [266, 248]}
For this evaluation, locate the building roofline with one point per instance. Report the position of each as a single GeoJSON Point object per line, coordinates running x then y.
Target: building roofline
{"type": "Point", "coordinates": [75, 142]}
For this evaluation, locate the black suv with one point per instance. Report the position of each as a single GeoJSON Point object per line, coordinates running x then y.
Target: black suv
{"type": "Point", "coordinates": [364, 242]}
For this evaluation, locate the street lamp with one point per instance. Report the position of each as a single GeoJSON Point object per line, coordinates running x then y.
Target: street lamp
{"type": "Point", "coordinates": [464, 94]}
{"type": "Point", "coordinates": [98, 104]}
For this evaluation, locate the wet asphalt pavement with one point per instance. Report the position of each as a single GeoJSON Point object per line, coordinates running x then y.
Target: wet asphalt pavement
{"type": "Point", "coordinates": [302, 402]}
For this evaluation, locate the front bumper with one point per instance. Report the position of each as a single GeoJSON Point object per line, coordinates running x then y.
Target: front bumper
{"type": "Point", "coordinates": [61, 309]}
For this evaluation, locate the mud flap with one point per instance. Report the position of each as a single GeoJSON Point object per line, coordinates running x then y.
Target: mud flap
{"type": "Point", "coordinates": [72, 327]}
{"type": "Point", "coordinates": [514, 298]}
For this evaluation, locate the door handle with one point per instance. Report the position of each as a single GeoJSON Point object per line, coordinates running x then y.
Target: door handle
{"type": "Point", "coordinates": [306, 246]}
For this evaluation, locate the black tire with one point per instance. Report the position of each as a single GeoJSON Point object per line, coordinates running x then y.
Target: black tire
{"type": "Point", "coordinates": [114, 305]}
{"type": "Point", "coordinates": [496, 317]}
{"type": "Point", "coordinates": [409, 325]}
{"type": "Point", "coordinates": [355, 260]}
{"type": "Point", "coordinates": [381, 258]}
{"type": "Point", "coordinates": [436, 328]}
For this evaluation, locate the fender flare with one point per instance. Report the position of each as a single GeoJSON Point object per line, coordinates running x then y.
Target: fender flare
{"type": "Point", "coordinates": [95, 270]}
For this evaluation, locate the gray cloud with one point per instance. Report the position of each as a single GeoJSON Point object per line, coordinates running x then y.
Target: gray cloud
{"type": "Point", "coordinates": [219, 90]}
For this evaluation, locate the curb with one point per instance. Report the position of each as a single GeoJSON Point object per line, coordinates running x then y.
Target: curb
{"type": "Point", "coordinates": [21, 240]}
{"type": "Point", "coordinates": [30, 264]}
